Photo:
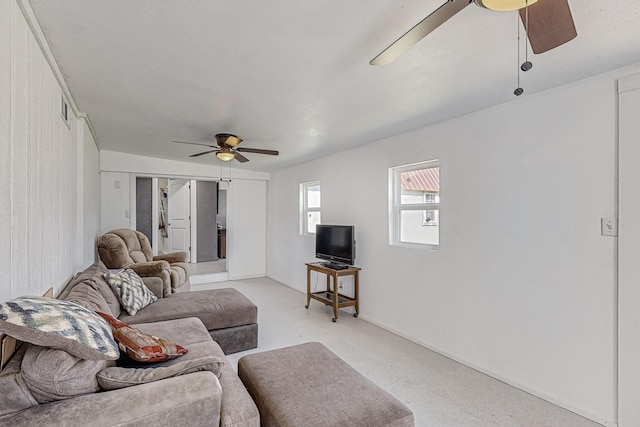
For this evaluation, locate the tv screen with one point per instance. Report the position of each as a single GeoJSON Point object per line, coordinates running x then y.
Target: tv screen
{"type": "Point", "coordinates": [336, 243]}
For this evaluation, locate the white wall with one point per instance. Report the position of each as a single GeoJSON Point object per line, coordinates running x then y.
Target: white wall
{"type": "Point", "coordinates": [115, 201]}
{"type": "Point", "coordinates": [629, 253]}
{"type": "Point", "coordinates": [40, 241]}
{"type": "Point", "coordinates": [246, 228]}
{"type": "Point", "coordinates": [6, 144]}
{"type": "Point", "coordinates": [246, 203]}
{"type": "Point", "coordinates": [91, 193]}
{"type": "Point", "coordinates": [523, 285]}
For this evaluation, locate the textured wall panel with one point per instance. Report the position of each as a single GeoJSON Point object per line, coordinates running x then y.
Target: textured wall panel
{"type": "Point", "coordinates": [39, 167]}
{"type": "Point", "coordinates": [5, 146]}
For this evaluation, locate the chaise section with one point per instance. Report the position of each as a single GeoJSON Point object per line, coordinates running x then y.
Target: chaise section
{"type": "Point", "coordinates": [230, 317]}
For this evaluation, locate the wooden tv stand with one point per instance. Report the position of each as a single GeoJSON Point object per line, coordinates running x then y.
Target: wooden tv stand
{"type": "Point", "coordinates": [328, 296]}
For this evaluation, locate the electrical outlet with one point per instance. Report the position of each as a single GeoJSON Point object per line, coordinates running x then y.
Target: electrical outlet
{"type": "Point", "coordinates": [340, 286]}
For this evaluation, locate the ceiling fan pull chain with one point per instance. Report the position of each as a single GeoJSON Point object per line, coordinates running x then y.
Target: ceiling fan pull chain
{"type": "Point", "coordinates": [519, 91]}
{"type": "Point", "coordinates": [526, 65]}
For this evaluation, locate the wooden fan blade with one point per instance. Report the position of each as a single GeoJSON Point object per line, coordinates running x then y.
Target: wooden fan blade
{"type": "Point", "coordinates": [258, 151]}
{"type": "Point", "coordinates": [239, 157]}
{"type": "Point", "coordinates": [196, 143]}
{"type": "Point", "coordinates": [204, 152]}
{"type": "Point", "coordinates": [227, 140]}
{"type": "Point", "coordinates": [550, 24]}
{"type": "Point", "coordinates": [420, 31]}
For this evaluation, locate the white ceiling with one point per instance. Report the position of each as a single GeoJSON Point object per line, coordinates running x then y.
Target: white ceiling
{"type": "Point", "coordinates": [294, 75]}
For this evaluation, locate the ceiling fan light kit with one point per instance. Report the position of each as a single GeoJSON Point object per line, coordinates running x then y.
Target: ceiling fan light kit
{"type": "Point", "coordinates": [504, 5]}
{"type": "Point", "coordinates": [225, 155]}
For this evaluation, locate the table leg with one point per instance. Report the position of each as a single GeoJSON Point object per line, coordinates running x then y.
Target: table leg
{"type": "Point", "coordinates": [335, 297]}
{"type": "Point", "coordinates": [308, 287]}
{"type": "Point", "coordinates": [356, 286]}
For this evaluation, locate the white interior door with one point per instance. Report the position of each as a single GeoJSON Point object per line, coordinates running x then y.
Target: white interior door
{"type": "Point", "coordinates": [179, 212]}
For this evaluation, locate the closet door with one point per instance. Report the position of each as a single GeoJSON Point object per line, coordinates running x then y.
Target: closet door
{"type": "Point", "coordinates": [207, 228]}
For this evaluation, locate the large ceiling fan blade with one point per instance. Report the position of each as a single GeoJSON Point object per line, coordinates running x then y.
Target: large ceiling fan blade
{"type": "Point", "coordinates": [420, 31]}
{"type": "Point", "coordinates": [203, 153]}
{"type": "Point", "coordinates": [258, 151]}
{"type": "Point", "coordinates": [550, 24]}
{"type": "Point", "coordinates": [239, 157]}
{"type": "Point", "coordinates": [196, 143]}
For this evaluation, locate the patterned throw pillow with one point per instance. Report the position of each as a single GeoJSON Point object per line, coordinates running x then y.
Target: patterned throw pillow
{"type": "Point", "coordinates": [58, 324]}
{"type": "Point", "coordinates": [130, 290]}
{"type": "Point", "coordinates": [140, 346]}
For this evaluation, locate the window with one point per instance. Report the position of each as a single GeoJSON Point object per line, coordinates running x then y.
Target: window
{"type": "Point", "coordinates": [310, 207]}
{"type": "Point", "coordinates": [414, 205]}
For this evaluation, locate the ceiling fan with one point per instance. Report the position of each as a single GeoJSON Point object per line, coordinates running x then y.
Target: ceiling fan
{"type": "Point", "coordinates": [549, 24]}
{"type": "Point", "coordinates": [227, 148]}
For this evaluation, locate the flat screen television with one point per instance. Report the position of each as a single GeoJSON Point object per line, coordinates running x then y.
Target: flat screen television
{"type": "Point", "coordinates": [336, 244]}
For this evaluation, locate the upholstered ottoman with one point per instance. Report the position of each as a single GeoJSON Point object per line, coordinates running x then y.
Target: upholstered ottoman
{"type": "Point", "coordinates": [308, 385]}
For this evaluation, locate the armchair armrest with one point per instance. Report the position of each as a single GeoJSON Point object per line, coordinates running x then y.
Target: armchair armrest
{"type": "Point", "coordinates": [152, 268]}
{"type": "Point", "coordinates": [172, 257]}
{"type": "Point", "coordinates": [195, 397]}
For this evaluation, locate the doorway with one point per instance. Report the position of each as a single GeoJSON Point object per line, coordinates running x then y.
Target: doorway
{"type": "Point", "coordinates": [185, 215]}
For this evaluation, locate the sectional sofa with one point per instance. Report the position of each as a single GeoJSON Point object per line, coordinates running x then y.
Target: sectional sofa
{"type": "Point", "coordinates": [49, 386]}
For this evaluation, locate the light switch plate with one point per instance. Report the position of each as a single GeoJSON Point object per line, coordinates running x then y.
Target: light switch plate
{"type": "Point", "coordinates": [609, 226]}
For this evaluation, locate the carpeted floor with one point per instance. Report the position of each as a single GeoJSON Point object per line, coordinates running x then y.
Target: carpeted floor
{"type": "Point", "coordinates": [440, 391]}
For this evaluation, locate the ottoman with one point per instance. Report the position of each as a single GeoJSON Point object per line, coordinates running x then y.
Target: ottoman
{"type": "Point", "coordinates": [308, 385]}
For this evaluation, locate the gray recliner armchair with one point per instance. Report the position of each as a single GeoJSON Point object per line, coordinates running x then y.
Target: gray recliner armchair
{"type": "Point", "coordinates": [124, 248]}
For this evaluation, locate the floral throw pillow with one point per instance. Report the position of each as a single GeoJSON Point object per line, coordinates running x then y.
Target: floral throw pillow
{"type": "Point", "coordinates": [140, 346]}
{"type": "Point", "coordinates": [58, 324]}
{"type": "Point", "coordinates": [131, 291]}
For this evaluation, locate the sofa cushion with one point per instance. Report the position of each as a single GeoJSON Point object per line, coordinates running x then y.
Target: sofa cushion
{"type": "Point", "coordinates": [114, 378]}
{"type": "Point", "coordinates": [52, 374]}
{"type": "Point", "coordinates": [130, 290]}
{"type": "Point", "coordinates": [93, 275]}
{"type": "Point", "coordinates": [237, 407]}
{"type": "Point", "coordinates": [217, 309]}
{"type": "Point", "coordinates": [58, 324]}
{"type": "Point", "coordinates": [87, 296]}
{"type": "Point", "coordinates": [15, 393]}
{"type": "Point", "coordinates": [142, 347]}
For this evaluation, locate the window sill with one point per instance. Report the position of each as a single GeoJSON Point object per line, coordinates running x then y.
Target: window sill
{"type": "Point", "coordinates": [421, 246]}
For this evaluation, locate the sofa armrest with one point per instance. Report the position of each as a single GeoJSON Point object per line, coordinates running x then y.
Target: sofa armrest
{"type": "Point", "coordinates": [195, 397]}
{"type": "Point", "coordinates": [172, 257]}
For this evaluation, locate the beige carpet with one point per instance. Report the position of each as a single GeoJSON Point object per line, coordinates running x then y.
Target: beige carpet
{"type": "Point", "coordinates": [440, 392]}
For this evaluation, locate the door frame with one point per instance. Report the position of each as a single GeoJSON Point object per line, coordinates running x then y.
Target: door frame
{"type": "Point", "coordinates": [223, 183]}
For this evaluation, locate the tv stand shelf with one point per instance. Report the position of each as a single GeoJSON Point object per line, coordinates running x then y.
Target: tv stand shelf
{"type": "Point", "coordinates": [328, 296]}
